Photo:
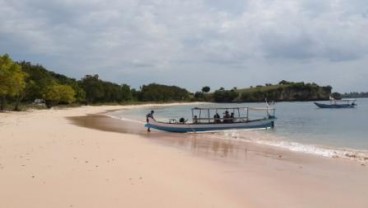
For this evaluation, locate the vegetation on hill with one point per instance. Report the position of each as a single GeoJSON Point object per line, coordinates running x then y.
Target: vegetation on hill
{"type": "Point", "coordinates": [283, 91]}
{"type": "Point", "coordinates": [355, 95]}
{"type": "Point", "coordinates": [286, 91]}
{"type": "Point", "coordinates": [23, 82]}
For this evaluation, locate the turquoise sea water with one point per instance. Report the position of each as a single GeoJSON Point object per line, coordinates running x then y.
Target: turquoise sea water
{"type": "Point", "coordinates": [300, 126]}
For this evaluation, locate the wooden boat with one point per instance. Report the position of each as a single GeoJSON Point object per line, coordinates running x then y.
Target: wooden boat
{"type": "Point", "coordinates": [208, 119]}
{"type": "Point", "coordinates": [344, 103]}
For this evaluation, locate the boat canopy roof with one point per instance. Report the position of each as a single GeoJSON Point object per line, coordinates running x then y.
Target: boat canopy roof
{"type": "Point", "coordinates": [235, 108]}
{"type": "Point", "coordinates": [348, 100]}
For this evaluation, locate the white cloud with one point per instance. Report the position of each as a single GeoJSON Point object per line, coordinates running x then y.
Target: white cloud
{"type": "Point", "coordinates": [239, 43]}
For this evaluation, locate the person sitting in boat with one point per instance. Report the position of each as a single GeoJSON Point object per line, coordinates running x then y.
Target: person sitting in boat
{"type": "Point", "coordinates": [227, 117]}
{"type": "Point", "coordinates": [182, 120]}
{"type": "Point", "coordinates": [216, 118]}
{"type": "Point", "coordinates": [149, 115]}
{"type": "Point", "coordinates": [231, 118]}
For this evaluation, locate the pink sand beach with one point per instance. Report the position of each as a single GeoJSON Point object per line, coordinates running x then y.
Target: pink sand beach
{"type": "Point", "coordinates": [46, 160]}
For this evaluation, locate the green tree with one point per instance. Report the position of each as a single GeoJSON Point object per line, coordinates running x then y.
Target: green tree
{"type": "Point", "coordinates": [12, 81]}
{"type": "Point", "coordinates": [206, 89]}
{"type": "Point", "coordinates": [223, 95]}
{"type": "Point", "coordinates": [157, 92]}
{"type": "Point", "coordinates": [37, 82]}
{"type": "Point", "coordinates": [59, 94]}
{"type": "Point", "coordinates": [93, 87]}
{"type": "Point", "coordinates": [336, 95]}
{"type": "Point", "coordinates": [126, 93]}
{"type": "Point", "coordinates": [284, 82]}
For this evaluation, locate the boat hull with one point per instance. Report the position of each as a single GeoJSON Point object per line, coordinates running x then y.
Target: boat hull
{"type": "Point", "coordinates": [321, 105]}
{"type": "Point", "coordinates": [200, 127]}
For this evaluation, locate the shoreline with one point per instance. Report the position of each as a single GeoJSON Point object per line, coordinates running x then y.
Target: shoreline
{"type": "Point", "coordinates": [42, 150]}
{"type": "Point", "coordinates": [116, 124]}
{"type": "Point", "coordinates": [105, 122]}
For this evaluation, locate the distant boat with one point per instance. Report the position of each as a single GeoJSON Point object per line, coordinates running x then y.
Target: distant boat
{"type": "Point", "coordinates": [343, 103]}
{"type": "Point", "coordinates": [208, 119]}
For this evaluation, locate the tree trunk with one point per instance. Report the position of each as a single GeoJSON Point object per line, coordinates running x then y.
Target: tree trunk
{"type": "Point", "coordinates": [17, 102]}
{"type": "Point", "coordinates": [2, 103]}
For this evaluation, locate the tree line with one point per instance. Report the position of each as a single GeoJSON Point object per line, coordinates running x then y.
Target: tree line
{"type": "Point", "coordinates": [24, 82]}
{"type": "Point", "coordinates": [355, 95]}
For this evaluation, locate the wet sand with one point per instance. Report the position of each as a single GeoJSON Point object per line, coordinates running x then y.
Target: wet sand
{"type": "Point", "coordinates": [105, 123]}
{"type": "Point", "coordinates": [197, 143]}
{"type": "Point", "coordinates": [81, 158]}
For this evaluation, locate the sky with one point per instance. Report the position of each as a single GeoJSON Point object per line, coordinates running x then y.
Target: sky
{"type": "Point", "coordinates": [193, 43]}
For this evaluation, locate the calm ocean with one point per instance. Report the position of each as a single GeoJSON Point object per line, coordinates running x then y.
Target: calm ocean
{"type": "Point", "coordinates": [300, 126]}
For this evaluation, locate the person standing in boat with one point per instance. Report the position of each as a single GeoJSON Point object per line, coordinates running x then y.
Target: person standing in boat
{"type": "Point", "coordinates": [149, 115]}
{"type": "Point", "coordinates": [195, 119]}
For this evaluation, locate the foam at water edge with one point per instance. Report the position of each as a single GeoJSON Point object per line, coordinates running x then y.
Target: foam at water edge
{"type": "Point", "coordinates": [270, 140]}
{"type": "Point", "coordinates": [357, 155]}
